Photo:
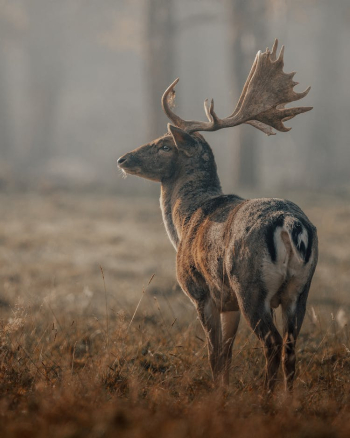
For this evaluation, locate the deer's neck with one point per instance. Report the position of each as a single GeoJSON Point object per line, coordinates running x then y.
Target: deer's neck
{"type": "Point", "coordinates": [183, 195]}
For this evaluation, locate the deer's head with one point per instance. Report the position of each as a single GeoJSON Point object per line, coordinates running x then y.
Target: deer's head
{"type": "Point", "coordinates": [173, 153]}
{"type": "Point", "coordinates": [262, 104]}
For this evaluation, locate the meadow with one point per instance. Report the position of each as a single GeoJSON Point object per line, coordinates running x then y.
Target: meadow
{"type": "Point", "coordinates": [97, 339]}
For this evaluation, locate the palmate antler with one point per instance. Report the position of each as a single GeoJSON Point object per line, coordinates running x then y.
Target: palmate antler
{"type": "Point", "coordinates": [266, 91]}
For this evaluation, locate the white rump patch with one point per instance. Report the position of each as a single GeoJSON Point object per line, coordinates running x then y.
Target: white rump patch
{"type": "Point", "coordinates": [303, 237]}
{"type": "Point", "coordinates": [289, 264]}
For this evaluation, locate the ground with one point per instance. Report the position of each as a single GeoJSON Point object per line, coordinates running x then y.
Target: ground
{"type": "Point", "coordinates": [98, 340]}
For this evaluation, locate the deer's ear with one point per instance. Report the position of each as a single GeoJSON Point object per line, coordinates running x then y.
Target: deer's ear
{"type": "Point", "coordinates": [183, 141]}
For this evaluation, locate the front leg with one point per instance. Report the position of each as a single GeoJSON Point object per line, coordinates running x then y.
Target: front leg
{"type": "Point", "coordinates": [195, 287]}
{"type": "Point", "coordinates": [209, 316]}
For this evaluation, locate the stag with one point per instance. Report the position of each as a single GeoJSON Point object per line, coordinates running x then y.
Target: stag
{"type": "Point", "coordinates": [234, 255]}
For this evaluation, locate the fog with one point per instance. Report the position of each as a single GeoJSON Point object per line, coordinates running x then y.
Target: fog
{"type": "Point", "coordinates": [81, 82]}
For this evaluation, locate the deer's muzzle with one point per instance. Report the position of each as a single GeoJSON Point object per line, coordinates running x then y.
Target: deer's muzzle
{"type": "Point", "coordinates": [124, 160]}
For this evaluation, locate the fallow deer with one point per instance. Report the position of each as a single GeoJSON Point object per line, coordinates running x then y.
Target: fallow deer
{"type": "Point", "coordinates": [234, 255]}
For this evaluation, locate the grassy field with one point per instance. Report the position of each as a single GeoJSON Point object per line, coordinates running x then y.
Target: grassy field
{"type": "Point", "coordinates": [97, 340]}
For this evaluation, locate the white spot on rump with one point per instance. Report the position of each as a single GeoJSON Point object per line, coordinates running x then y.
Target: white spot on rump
{"type": "Point", "coordinates": [303, 237]}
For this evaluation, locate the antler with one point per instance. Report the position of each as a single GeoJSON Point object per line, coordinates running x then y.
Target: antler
{"type": "Point", "coordinates": [266, 91]}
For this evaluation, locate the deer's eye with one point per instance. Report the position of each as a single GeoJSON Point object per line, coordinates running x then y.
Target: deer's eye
{"type": "Point", "coordinates": [165, 148]}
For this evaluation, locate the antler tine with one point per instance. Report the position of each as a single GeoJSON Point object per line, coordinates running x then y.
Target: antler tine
{"type": "Point", "coordinates": [266, 91]}
{"type": "Point", "coordinates": [280, 56]}
{"type": "Point", "coordinates": [207, 109]}
{"type": "Point", "coordinates": [188, 125]}
{"type": "Point", "coordinates": [210, 113]}
{"type": "Point", "coordinates": [246, 85]}
{"type": "Point", "coordinates": [262, 127]}
{"type": "Point", "coordinates": [167, 98]}
{"type": "Point", "coordinates": [287, 114]}
{"type": "Point", "coordinates": [274, 50]}
{"type": "Point", "coordinates": [302, 93]}
{"type": "Point", "coordinates": [213, 117]}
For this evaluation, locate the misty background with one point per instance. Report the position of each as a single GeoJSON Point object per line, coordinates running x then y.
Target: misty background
{"type": "Point", "coordinates": [81, 82]}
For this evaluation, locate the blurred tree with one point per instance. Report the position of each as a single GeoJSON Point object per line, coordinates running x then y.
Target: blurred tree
{"type": "Point", "coordinates": [160, 31]}
{"type": "Point", "coordinates": [5, 130]}
{"type": "Point", "coordinates": [322, 154]}
{"type": "Point", "coordinates": [44, 48]}
{"type": "Point", "coordinates": [12, 24]}
{"type": "Point", "coordinates": [246, 32]}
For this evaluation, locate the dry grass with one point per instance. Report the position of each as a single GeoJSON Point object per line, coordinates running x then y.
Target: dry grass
{"type": "Point", "coordinates": [66, 370]}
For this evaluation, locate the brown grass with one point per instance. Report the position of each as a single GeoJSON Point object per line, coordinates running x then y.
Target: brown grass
{"type": "Point", "coordinates": [68, 369]}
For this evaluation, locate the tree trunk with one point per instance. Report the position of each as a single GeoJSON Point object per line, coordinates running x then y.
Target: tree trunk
{"type": "Point", "coordinates": [246, 32]}
{"type": "Point", "coordinates": [5, 134]}
{"type": "Point", "coordinates": [322, 155]}
{"type": "Point", "coordinates": [45, 78]}
{"type": "Point", "coordinates": [159, 61]}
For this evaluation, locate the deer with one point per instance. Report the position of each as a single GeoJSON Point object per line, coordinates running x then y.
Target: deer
{"type": "Point", "coordinates": [234, 255]}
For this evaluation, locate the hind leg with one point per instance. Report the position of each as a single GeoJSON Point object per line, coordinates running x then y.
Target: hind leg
{"type": "Point", "coordinates": [261, 322]}
{"type": "Point", "coordinates": [272, 340]}
{"type": "Point", "coordinates": [293, 312]}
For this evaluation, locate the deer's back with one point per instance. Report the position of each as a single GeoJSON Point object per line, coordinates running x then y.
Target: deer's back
{"type": "Point", "coordinates": [229, 241]}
